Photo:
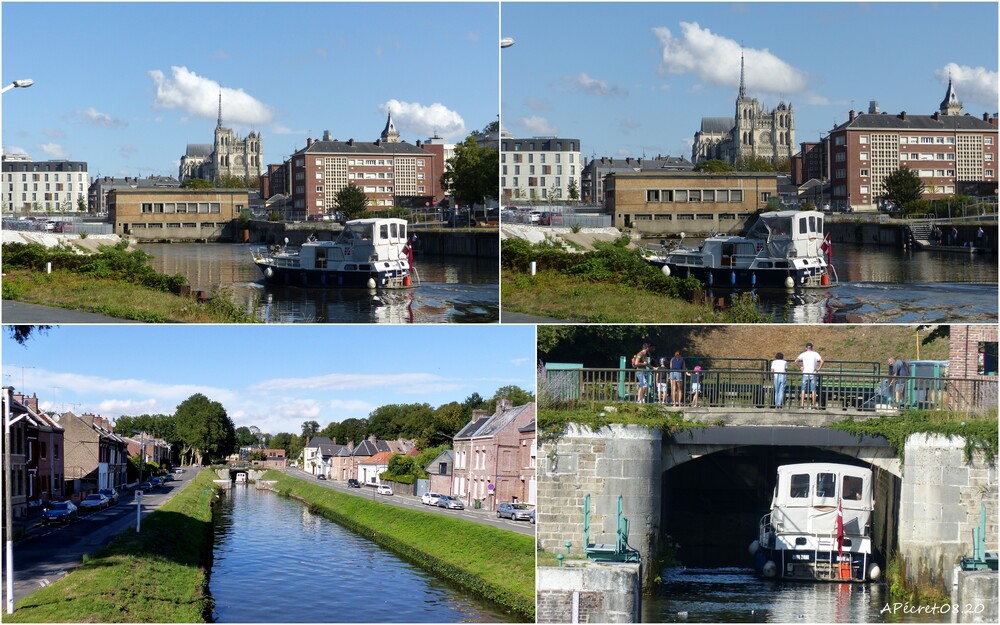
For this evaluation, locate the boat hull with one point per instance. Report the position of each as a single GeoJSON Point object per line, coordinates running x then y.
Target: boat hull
{"type": "Point", "coordinates": [334, 278]}
{"type": "Point", "coordinates": [813, 566]}
{"type": "Point", "coordinates": [743, 278]}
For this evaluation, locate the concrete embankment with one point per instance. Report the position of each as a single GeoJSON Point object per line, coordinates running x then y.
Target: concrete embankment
{"type": "Point", "coordinates": [590, 592]}
{"type": "Point", "coordinates": [86, 244]}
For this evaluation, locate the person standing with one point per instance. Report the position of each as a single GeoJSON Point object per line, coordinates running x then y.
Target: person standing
{"type": "Point", "coordinates": [695, 385]}
{"type": "Point", "coordinates": [811, 364]}
{"type": "Point", "coordinates": [898, 372]}
{"type": "Point", "coordinates": [641, 362]}
{"type": "Point", "coordinates": [677, 379]}
{"type": "Point", "coordinates": [779, 366]}
{"type": "Point", "coordinates": [661, 381]}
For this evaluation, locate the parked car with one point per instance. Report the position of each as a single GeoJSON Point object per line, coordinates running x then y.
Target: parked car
{"type": "Point", "coordinates": [64, 226]}
{"type": "Point", "coordinates": [534, 217]}
{"type": "Point", "coordinates": [444, 501]}
{"type": "Point", "coordinates": [532, 516]}
{"type": "Point", "coordinates": [179, 470]}
{"type": "Point", "coordinates": [156, 482]}
{"type": "Point", "coordinates": [353, 483]}
{"type": "Point", "coordinates": [60, 512]}
{"type": "Point", "coordinates": [461, 220]}
{"type": "Point", "coordinates": [96, 501]}
{"type": "Point", "coordinates": [430, 499]}
{"type": "Point", "coordinates": [320, 477]}
{"type": "Point", "coordinates": [514, 511]}
{"type": "Point", "coordinates": [111, 494]}
{"type": "Point", "coordinates": [383, 489]}
{"type": "Point", "coordinates": [144, 486]}
{"type": "Point", "coordinates": [169, 477]}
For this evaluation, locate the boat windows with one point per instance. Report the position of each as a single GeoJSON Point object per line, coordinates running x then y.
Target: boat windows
{"type": "Point", "coordinates": [812, 223]}
{"type": "Point", "coordinates": [392, 231]}
{"type": "Point", "coordinates": [383, 232]}
{"type": "Point", "coordinates": [826, 485]}
{"type": "Point", "coordinates": [764, 264]}
{"type": "Point", "coordinates": [803, 226]}
{"type": "Point", "coordinates": [852, 487]}
{"type": "Point", "coordinates": [781, 264]}
{"type": "Point", "coordinates": [799, 486]}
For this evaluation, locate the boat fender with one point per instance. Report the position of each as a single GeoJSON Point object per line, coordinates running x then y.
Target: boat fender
{"type": "Point", "coordinates": [825, 279]}
{"type": "Point", "coordinates": [371, 283]}
{"type": "Point", "coordinates": [269, 272]}
{"type": "Point", "coordinates": [770, 569]}
{"type": "Point", "coordinates": [789, 283]}
{"type": "Point", "coordinates": [665, 270]}
{"type": "Point", "coordinates": [711, 279]}
{"type": "Point", "coordinates": [754, 547]}
{"type": "Point", "coordinates": [406, 280]}
{"type": "Point", "coordinates": [874, 572]}
{"type": "Point", "coordinates": [753, 279]}
{"type": "Point", "coordinates": [732, 278]}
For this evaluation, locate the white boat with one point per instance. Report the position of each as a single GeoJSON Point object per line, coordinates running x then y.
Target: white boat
{"type": "Point", "coordinates": [782, 249]}
{"type": "Point", "coordinates": [368, 253]}
{"type": "Point", "coordinates": [819, 526]}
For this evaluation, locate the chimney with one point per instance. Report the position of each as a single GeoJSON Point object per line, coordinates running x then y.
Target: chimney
{"type": "Point", "coordinates": [986, 117]}
{"type": "Point", "coordinates": [478, 414]}
{"type": "Point", "coordinates": [350, 142]}
{"type": "Point", "coordinates": [850, 116]}
{"type": "Point", "coordinates": [326, 135]}
{"type": "Point", "coordinates": [32, 402]}
{"type": "Point", "coordinates": [504, 405]}
{"type": "Point", "coordinates": [309, 141]}
{"type": "Point", "coordinates": [902, 116]}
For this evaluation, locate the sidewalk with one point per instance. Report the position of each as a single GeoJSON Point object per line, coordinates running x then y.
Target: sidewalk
{"type": "Point", "coordinates": [12, 312]}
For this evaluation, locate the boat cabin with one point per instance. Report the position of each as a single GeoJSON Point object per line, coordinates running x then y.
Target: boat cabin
{"type": "Point", "coordinates": [362, 240]}
{"type": "Point", "coordinates": [789, 234]}
{"type": "Point", "coordinates": [807, 499]}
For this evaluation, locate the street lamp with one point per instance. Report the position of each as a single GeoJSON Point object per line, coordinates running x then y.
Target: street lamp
{"type": "Point", "coordinates": [8, 503]}
{"type": "Point", "coordinates": [506, 42]}
{"type": "Point", "coordinates": [23, 83]}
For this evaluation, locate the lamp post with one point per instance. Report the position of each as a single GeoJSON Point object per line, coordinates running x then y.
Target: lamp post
{"type": "Point", "coordinates": [8, 503]}
{"type": "Point", "coordinates": [138, 490]}
{"type": "Point", "coordinates": [24, 83]}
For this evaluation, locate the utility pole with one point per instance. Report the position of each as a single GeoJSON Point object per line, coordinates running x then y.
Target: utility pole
{"type": "Point", "coordinates": [8, 501]}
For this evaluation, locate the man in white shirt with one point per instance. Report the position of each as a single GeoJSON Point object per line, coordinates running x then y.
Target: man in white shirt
{"type": "Point", "coordinates": [811, 363]}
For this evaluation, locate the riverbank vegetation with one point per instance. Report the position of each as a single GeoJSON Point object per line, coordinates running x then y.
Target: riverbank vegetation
{"type": "Point", "coordinates": [159, 575]}
{"type": "Point", "coordinates": [114, 281]}
{"type": "Point", "coordinates": [611, 284]}
{"type": "Point", "coordinates": [498, 565]}
{"type": "Point", "coordinates": [978, 431]}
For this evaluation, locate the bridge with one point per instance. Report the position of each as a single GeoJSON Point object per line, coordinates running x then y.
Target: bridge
{"type": "Point", "coordinates": [700, 490]}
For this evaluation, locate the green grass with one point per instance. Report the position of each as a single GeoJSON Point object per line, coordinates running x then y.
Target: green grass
{"type": "Point", "coordinates": [497, 565]}
{"type": "Point", "coordinates": [157, 576]}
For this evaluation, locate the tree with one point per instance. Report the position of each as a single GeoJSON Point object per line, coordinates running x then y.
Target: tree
{"type": "Point", "coordinates": [352, 201]}
{"type": "Point", "coordinates": [714, 166]}
{"type": "Point", "coordinates": [22, 333]}
{"type": "Point", "coordinates": [309, 429]}
{"type": "Point", "coordinates": [903, 187]}
{"type": "Point", "coordinates": [234, 182]}
{"type": "Point", "coordinates": [517, 396]}
{"type": "Point", "coordinates": [753, 163]}
{"type": "Point", "coordinates": [205, 427]}
{"type": "Point", "coordinates": [196, 183]}
{"type": "Point", "coordinates": [471, 174]}
{"type": "Point", "coordinates": [572, 190]}
{"type": "Point", "coordinates": [244, 437]}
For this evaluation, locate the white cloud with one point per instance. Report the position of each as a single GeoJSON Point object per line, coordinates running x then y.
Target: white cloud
{"type": "Point", "coordinates": [93, 116]}
{"type": "Point", "coordinates": [118, 407]}
{"type": "Point", "coordinates": [538, 125]}
{"type": "Point", "coordinates": [536, 104]}
{"type": "Point", "coordinates": [345, 382]}
{"type": "Point", "coordinates": [53, 150]}
{"type": "Point", "coordinates": [716, 59]}
{"type": "Point", "coordinates": [583, 82]}
{"type": "Point", "coordinates": [15, 149]}
{"type": "Point", "coordinates": [517, 362]}
{"type": "Point", "coordinates": [972, 84]}
{"type": "Point", "coordinates": [199, 96]}
{"type": "Point", "coordinates": [424, 121]}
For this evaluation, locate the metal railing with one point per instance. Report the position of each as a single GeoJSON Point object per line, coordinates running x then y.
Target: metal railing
{"type": "Point", "coordinates": [856, 389]}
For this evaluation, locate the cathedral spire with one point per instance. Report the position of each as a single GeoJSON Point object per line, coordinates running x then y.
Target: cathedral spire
{"type": "Point", "coordinates": [743, 91]}
{"type": "Point", "coordinates": [219, 123]}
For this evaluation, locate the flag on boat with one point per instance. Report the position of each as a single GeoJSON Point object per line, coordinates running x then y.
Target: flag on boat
{"type": "Point", "coordinates": [827, 248]}
{"type": "Point", "coordinates": [840, 527]}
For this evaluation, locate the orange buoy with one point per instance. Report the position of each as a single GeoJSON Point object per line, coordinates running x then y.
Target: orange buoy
{"type": "Point", "coordinates": [825, 280]}
{"type": "Point", "coordinates": [406, 280]}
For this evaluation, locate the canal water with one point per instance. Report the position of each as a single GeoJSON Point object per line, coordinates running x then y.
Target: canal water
{"type": "Point", "coordinates": [735, 595]}
{"type": "Point", "coordinates": [887, 285]}
{"type": "Point", "coordinates": [451, 289]}
{"type": "Point", "coordinates": [275, 562]}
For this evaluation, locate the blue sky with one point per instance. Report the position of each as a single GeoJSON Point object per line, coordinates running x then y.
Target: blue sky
{"type": "Point", "coordinates": [126, 86]}
{"type": "Point", "coordinates": [629, 79]}
{"type": "Point", "coordinates": [274, 377]}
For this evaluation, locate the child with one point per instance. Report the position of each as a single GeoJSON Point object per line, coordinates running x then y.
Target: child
{"type": "Point", "coordinates": [695, 385]}
{"type": "Point", "coordinates": [661, 382]}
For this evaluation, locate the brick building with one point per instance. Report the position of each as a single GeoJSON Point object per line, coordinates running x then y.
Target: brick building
{"type": "Point", "coordinates": [36, 454]}
{"type": "Point", "coordinates": [95, 456]}
{"type": "Point", "coordinates": [488, 458]}
{"type": "Point", "coordinates": [166, 214]}
{"type": "Point", "coordinates": [671, 202]}
{"type": "Point", "coordinates": [973, 365]}
{"type": "Point", "coordinates": [528, 451]}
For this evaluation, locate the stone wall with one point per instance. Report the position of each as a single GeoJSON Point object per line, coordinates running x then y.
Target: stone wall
{"type": "Point", "coordinates": [940, 504]}
{"type": "Point", "coordinates": [615, 460]}
{"type": "Point", "coordinates": [589, 592]}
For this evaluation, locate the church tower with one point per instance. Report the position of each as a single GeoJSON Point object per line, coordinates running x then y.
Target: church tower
{"type": "Point", "coordinates": [746, 118]}
{"type": "Point", "coordinates": [950, 105]}
{"type": "Point", "coordinates": [389, 134]}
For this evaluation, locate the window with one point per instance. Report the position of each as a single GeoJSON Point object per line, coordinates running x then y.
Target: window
{"type": "Point", "coordinates": [852, 487]}
{"type": "Point", "coordinates": [987, 358]}
{"type": "Point", "coordinates": [652, 195]}
{"type": "Point", "coordinates": [863, 139]}
{"type": "Point", "coordinates": [826, 485]}
{"type": "Point", "coordinates": [736, 195]}
{"type": "Point", "coordinates": [864, 173]}
{"type": "Point", "coordinates": [680, 196]}
{"type": "Point", "coordinates": [799, 486]}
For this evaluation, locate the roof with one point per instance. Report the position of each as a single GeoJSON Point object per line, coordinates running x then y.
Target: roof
{"type": "Point", "coordinates": [720, 125]}
{"type": "Point", "coordinates": [363, 147]}
{"type": "Point", "coordinates": [199, 149]}
{"type": "Point", "coordinates": [528, 428]}
{"type": "Point", "coordinates": [472, 427]}
{"type": "Point", "coordinates": [917, 122]}
{"type": "Point", "coordinates": [381, 457]}
{"type": "Point", "coordinates": [489, 426]}
{"type": "Point", "coordinates": [447, 456]}
{"type": "Point", "coordinates": [316, 441]}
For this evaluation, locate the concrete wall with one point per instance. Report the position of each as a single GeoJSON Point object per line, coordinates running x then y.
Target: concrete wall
{"type": "Point", "coordinates": [588, 592]}
{"type": "Point", "coordinates": [974, 599]}
{"type": "Point", "coordinates": [939, 506]}
{"type": "Point", "coordinates": [615, 460]}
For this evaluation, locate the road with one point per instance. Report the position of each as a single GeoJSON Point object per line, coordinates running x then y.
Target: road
{"type": "Point", "coordinates": [49, 552]}
{"type": "Point", "coordinates": [484, 517]}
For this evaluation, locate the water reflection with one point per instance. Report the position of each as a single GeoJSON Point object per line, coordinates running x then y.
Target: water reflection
{"type": "Point", "coordinates": [275, 562]}
{"type": "Point", "coordinates": [735, 595]}
{"type": "Point", "coordinates": [451, 289]}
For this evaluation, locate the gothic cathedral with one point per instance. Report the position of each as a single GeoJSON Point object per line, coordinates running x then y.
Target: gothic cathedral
{"type": "Point", "coordinates": [228, 155]}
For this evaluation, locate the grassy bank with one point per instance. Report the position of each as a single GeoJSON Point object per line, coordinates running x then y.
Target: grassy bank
{"type": "Point", "coordinates": [157, 576]}
{"type": "Point", "coordinates": [114, 282]}
{"type": "Point", "coordinates": [495, 564]}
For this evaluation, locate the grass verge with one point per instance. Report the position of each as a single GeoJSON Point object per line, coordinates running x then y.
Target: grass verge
{"type": "Point", "coordinates": [495, 564]}
{"type": "Point", "coordinates": [157, 576]}
{"type": "Point", "coordinates": [115, 298]}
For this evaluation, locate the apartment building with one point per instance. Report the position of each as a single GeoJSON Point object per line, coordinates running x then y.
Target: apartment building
{"type": "Point", "coordinates": [539, 168]}
{"type": "Point", "coordinates": [43, 186]}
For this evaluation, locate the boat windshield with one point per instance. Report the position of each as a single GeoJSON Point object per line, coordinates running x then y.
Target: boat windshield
{"type": "Point", "coordinates": [355, 233]}
{"type": "Point", "coordinates": [776, 230]}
